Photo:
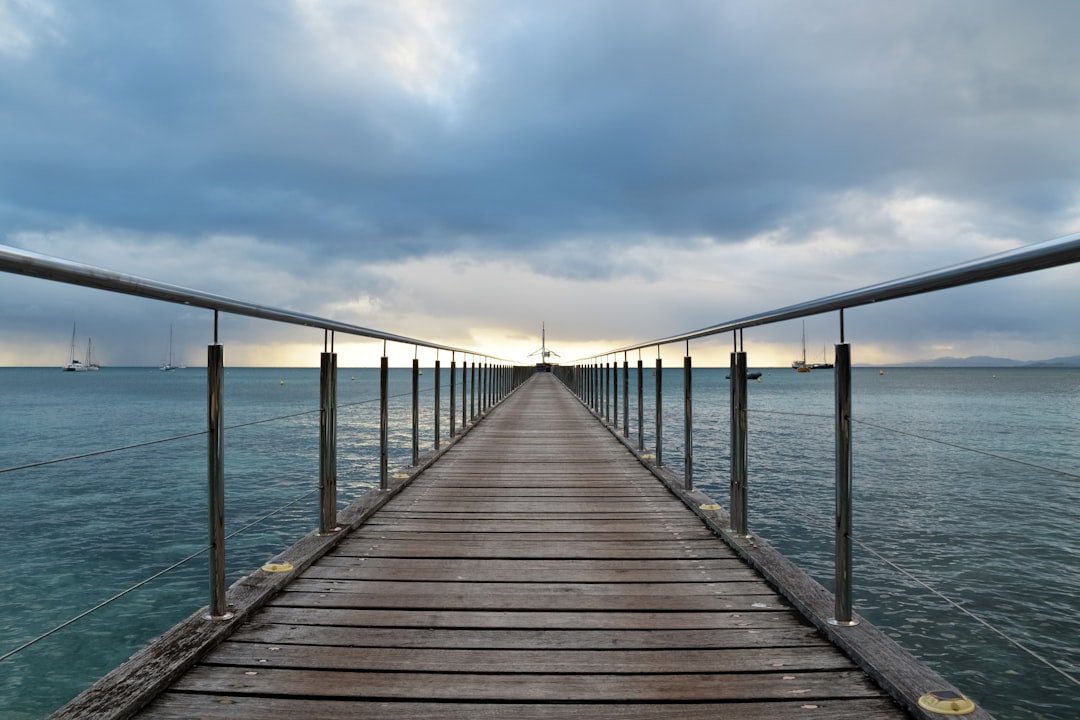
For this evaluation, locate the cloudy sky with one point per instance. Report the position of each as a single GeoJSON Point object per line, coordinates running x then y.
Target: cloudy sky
{"type": "Point", "coordinates": [464, 170]}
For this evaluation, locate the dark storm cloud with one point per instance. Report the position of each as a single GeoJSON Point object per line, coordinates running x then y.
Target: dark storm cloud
{"type": "Point", "coordinates": [723, 119]}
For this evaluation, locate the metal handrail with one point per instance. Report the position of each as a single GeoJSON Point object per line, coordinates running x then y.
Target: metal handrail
{"type": "Point", "coordinates": [1029, 258]}
{"type": "Point", "coordinates": [590, 377]}
{"type": "Point", "coordinates": [31, 264]}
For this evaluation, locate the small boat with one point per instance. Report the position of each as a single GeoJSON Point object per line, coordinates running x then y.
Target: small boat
{"type": "Point", "coordinates": [800, 365]}
{"type": "Point", "coordinates": [824, 364]}
{"type": "Point", "coordinates": [90, 364]}
{"type": "Point", "coordinates": [755, 375]}
{"type": "Point", "coordinates": [73, 364]}
{"type": "Point", "coordinates": [167, 366]}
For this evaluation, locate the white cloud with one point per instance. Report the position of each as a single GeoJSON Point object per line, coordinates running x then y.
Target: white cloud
{"type": "Point", "coordinates": [24, 24]}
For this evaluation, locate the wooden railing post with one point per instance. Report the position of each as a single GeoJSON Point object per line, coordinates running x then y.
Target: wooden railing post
{"type": "Point", "coordinates": [626, 396]}
{"type": "Point", "coordinates": [737, 376]}
{"type": "Point", "coordinates": [384, 420]}
{"type": "Point", "coordinates": [640, 406]}
{"type": "Point", "coordinates": [438, 402]}
{"type": "Point", "coordinates": [615, 393]}
{"type": "Point", "coordinates": [328, 443]}
{"type": "Point", "coordinates": [843, 487]}
{"type": "Point", "coordinates": [415, 411]}
{"type": "Point", "coordinates": [688, 423]}
{"type": "Point", "coordinates": [659, 411]}
{"type": "Point", "coordinates": [215, 381]}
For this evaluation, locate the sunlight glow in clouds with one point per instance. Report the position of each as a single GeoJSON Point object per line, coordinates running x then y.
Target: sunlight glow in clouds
{"type": "Point", "coordinates": [463, 170]}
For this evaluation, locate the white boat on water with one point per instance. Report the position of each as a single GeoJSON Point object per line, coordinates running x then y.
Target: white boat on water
{"type": "Point", "coordinates": [168, 365]}
{"type": "Point", "coordinates": [73, 364]}
{"type": "Point", "coordinates": [90, 364]}
{"type": "Point", "coordinates": [800, 365]}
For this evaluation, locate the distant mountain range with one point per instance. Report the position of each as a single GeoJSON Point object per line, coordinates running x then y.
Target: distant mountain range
{"type": "Point", "coordinates": [988, 361]}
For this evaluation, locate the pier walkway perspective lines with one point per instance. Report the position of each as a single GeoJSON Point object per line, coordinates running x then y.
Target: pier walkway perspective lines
{"type": "Point", "coordinates": [536, 570]}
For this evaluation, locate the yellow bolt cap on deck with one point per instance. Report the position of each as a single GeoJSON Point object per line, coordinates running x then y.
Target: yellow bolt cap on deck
{"type": "Point", "coordinates": [273, 567]}
{"type": "Point", "coordinates": [709, 506]}
{"type": "Point", "coordinates": [401, 476]}
{"type": "Point", "coordinates": [946, 702]}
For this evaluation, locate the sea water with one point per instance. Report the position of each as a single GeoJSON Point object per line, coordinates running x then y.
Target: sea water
{"type": "Point", "coordinates": [966, 492]}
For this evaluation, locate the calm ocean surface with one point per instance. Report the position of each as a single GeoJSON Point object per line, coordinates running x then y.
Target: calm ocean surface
{"type": "Point", "coordinates": [952, 488]}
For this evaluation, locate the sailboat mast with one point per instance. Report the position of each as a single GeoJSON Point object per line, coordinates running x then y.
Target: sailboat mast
{"type": "Point", "coordinates": [804, 342]}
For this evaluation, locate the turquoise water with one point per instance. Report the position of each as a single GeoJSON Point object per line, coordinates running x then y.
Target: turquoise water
{"type": "Point", "coordinates": [997, 537]}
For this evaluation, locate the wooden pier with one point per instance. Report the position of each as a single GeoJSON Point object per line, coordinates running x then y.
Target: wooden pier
{"type": "Point", "coordinates": [537, 569]}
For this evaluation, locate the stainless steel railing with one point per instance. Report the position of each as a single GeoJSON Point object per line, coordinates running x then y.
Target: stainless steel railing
{"type": "Point", "coordinates": [492, 379]}
{"type": "Point", "coordinates": [595, 380]}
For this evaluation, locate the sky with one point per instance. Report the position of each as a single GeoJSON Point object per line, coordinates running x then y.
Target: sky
{"type": "Point", "coordinates": [464, 171]}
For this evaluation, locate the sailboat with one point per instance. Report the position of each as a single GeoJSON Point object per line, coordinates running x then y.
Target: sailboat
{"type": "Point", "coordinates": [169, 364]}
{"type": "Point", "coordinates": [800, 365]}
{"type": "Point", "coordinates": [90, 364]}
{"type": "Point", "coordinates": [73, 364]}
{"type": "Point", "coordinates": [824, 364]}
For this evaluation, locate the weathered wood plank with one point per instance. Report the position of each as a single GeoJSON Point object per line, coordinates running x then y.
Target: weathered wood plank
{"type": "Point", "coordinates": [183, 706]}
{"type": "Point", "coordinates": [517, 688]}
{"type": "Point", "coordinates": [518, 620]}
{"type": "Point", "coordinates": [539, 571]}
{"type": "Point", "coordinates": [578, 602]}
{"type": "Point", "coordinates": [537, 550]}
{"type": "Point", "coordinates": [775, 636]}
{"type": "Point", "coordinates": [530, 661]}
{"type": "Point", "coordinates": [687, 587]}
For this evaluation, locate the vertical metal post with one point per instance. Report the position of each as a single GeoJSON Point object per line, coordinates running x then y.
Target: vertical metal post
{"type": "Point", "coordinates": [843, 486]}
{"type": "Point", "coordinates": [464, 395]}
{"type": "Point", "coordinates": [738, 443]}
{"type": "Point", "coordinates": [615, 394]}
{"type": "Point", "coordinates": [328, 443]}
{"type": "Point", "coordinates": [215, 422]}
{"type": "Point", "coordinates": [438, 401]}
{"type": "Point", "coordinates": [384, 434]}
{"type": "Point", "coordinates": [659, 412]}
{"type": "Point", "coordinates": [625, 397]}
{"type": "Point", "coordinates": [415, 411]}
{"type": "Point", "coordinates": [453, 397]}
{"type": "Point", "coordinates": [481, 390]}
{"type": "Point", "coordinates": [640, 407]}
{"type": "Point", "coordinates": [472, 393]}
{"type": "Point", "coordinates": [688, 423]}
{"type": "Point", "coordinates": [607, 391]}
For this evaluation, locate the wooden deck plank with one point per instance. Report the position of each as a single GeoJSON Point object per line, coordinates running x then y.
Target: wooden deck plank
{"type": "Point", "coordinates": [528, 662]}
{"type": "Point", "coordinates": [269, 681]}
{"type": "Point", "coordinates": [183, 706]}
{"type": "Point", "coordinates": [536, 620]}
{"type": "Point", "coordinates": [535, 570]}
{"type": "Point", "coordinates": [777, 636]}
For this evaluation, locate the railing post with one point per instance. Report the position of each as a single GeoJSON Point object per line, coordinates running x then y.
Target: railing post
{"type": "Point", "coordinates": [659, 412]}
{"type": "Point", "coordinates": [384, 419]}
{"type": "Point", "coordinates": [626, 397]}
{"type": "Point", "coordinates": [438, 401]}
{"type": "Point", "coordinates": [738, 443]}
{"type": "Point", "coordinates": [453, 396]}
{"type": "Point", "coordinates": [640, 406]}
{"type": "Point", "coordinates": [485, 387]}
{"type": "Point", "coordinates": [464, 395]}
{"type": "Point", "coordinates": [688, 423]}
{"type": "Point", "coordinates": [607, 391]}
{"type": "Point", "coordinates": [472, 393]}
{"type": "Point", "coordinates": [615, 394]}
{"type": "Point", "coordinates": [843, 487]}
{"type": "Point", "coordinates": [415, 411]}
{"type": "Point", "coordinates": [328, 443]}
{"type": "Point", "coordinates": [215, 381]}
